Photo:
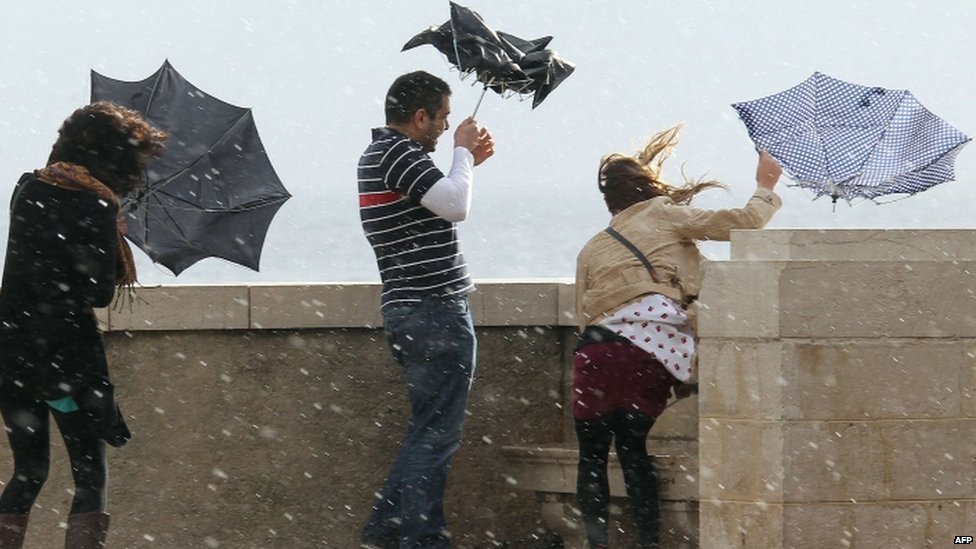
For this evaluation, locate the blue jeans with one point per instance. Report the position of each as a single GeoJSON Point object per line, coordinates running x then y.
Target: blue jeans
{"type": "Point", "coordinates": [434, 341]}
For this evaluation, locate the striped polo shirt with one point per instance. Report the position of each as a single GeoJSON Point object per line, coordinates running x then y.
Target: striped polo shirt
{"type": "Point", "coordinates": [417, 252]}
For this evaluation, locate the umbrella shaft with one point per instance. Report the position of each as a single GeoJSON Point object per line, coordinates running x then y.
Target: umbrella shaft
{"type": "Point", "coordinates": [480, 99]}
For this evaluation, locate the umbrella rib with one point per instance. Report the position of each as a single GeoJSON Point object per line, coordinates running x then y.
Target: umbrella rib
{"type": "Point", "coordinates": [823, 146]}
{"type": "Point", "coordinates": [152, 94]}
{"type": "Point", "coordinates": [174, 228]}
{"type": "Point", "coordinates": [181, 236]}
{"type": "Point", "coordinates": [884, 132]}
{"type": "Point", "coordinates": [921, 169]}
{"type": "Point", "coordinates": [457, 54]}
{"type": "Point", "coordinates": [162, 183]}
{"type": "Point", "coordinates": [197, 208]}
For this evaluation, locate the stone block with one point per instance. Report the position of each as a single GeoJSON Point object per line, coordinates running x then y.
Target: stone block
{"type": "Point", "coordinates": [741, 379]}
{"type": "Point", "coordinates": [894, 524]}
{"type": "Point", "coordinates": [516, 304]}
{"type": "Point", "coordinates": [552, 468]}
{"type": "Point", "coordinates": [810, 461]}
{"type": "Point", "coordinates": [833, 461]}
{"type": "Point", "coordinates": [930, 460]}
{"type": "Point", "coordinates": [854, 245]}
{"type": "Point", "coordinates": [763, 245]}
{"type": "Point", "coordinates": [183, 308]}
{"type": "Point", "coordinates": [817, 525]}
{"type": "Point", "coordinates": [101, 314]}
{"type": "Point", "coordinates": [740, 300]}
{"type": "Point", "coordinates": [677, 466]}
{"type": "Point", "coordinates": [967, 382]}
{"type": "Point", "coordinates": [877, 379]}
{"type": "Point", "coordinates": [741, 525]}
{"type": "Point", "coordinates": [846, 524]}
{"type": "Point", "coordinates": [948, 519]}
{"type": "Point", "coordinates": [315, 306]}
{"type": "Point", "coordinates": [567, 304]}
{"type": "Point", "coordinates": [678, 421]}
{"type": "Point", "coordinates": [908, 524]}
{"type": "Point", "coordinates": [873, 299]}
{"type": "Point", "coordinates": [741, 460]}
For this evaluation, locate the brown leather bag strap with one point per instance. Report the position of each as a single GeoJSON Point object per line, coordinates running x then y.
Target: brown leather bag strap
{"type": "Point", "coordinates": [630, 246]}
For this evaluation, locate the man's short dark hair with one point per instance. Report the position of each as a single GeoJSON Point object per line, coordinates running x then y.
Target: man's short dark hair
{"type": "Point", "coordinates": [412, 92]}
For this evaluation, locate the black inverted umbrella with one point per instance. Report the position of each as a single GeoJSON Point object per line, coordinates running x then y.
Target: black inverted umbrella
{"type": "Point", "coordinates": [851, 141]}
{"type": "Point", "coordinates": [214, 192]}
{"type": "Point", "coordinates": [502, 62]}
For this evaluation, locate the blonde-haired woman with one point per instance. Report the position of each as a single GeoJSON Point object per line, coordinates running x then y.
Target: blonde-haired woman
{"type": "Point", "coordinates": [634, 282]}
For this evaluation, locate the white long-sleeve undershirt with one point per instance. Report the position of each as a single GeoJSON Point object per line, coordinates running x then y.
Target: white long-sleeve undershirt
{"type": "Point", "coordinates": [450, 198]}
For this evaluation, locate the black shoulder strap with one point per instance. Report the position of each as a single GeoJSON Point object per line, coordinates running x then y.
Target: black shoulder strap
{"type": "Point", "coordinates": [630, 246]}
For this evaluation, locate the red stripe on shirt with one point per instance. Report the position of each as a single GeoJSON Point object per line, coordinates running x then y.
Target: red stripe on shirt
{"type": "Point", "coordinates": [378, 199]}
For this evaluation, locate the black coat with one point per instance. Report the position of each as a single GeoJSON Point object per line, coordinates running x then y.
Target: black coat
{"type": "Point", "coordinates": [61, 260]}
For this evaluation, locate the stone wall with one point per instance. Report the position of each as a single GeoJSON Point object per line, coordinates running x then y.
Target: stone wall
{"type": "Point", "coordinates": [267, 416]}
{"type": "Point", "coordinates": [836, 405]}
{"type": "Point", "coordinates": [837, 384]}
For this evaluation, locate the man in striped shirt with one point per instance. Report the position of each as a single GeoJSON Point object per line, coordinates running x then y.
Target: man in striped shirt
{"type": "Point", "coordinates": [409, 209]}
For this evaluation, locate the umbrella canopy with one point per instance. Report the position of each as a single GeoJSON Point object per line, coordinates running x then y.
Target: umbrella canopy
{"type": "Point", "coordinates": [503, 62]}
{"type": "Point", "coordinates": [214, 192]}
{"type": "Point", "coordinates": [851, 141]}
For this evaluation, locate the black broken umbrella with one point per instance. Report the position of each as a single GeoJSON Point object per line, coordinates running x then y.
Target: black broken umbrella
{"type": "Point", "coordinates": [213, 193]}
{"type": "Point", "coordinates": [499, 61]}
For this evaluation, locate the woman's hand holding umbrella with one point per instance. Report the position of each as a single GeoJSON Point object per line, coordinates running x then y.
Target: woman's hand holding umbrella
{"type": "Point", "coordinates": [767, 171]}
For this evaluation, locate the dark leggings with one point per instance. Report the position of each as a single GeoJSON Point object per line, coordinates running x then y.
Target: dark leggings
{"type": "Point", "coordinates": [628, 429]}
{"type": "Point", "coordinates": [29, 433]}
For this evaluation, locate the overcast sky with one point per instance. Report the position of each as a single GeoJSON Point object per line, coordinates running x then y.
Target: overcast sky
{"type": "Point", "coordinates": [315, 73]}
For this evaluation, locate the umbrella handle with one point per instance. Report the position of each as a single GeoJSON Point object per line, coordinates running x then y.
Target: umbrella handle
{"type": "Point", "coordinates": [480, 99]}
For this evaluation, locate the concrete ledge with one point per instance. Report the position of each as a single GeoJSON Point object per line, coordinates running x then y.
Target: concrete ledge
{"type": "Point", "coordinates": [182, 308]}
{"type": "Point", "coordinates": [315, 306]}
{"type": "Point", "coordinates": [514, 303]}
{"type": "Point", "coordinates": [325, 305]}
{"type": "Point", "coordinates": [551, 472]}
{"type": "Point", "coordinates": [838, 299]}
{"type": "Point", "coordinates": [854, 245]}
{"type": "Point", "coordinates": [553, 468]}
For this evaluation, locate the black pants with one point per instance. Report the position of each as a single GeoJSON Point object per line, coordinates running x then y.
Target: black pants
{"type": "Point", "coordinates": [28, 430]}
{"type": "Point", "coordinates": [629, 431]}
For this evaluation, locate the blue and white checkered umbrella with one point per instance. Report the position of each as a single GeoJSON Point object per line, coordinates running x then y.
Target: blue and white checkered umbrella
{"type": "Point", "coordinates": [850, 141]}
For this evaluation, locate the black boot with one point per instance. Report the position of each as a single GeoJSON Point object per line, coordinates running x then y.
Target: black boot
{"type": "Point", "coordinates": [86, 531]}
{"type": "Point", "coordinates": [12, 531]}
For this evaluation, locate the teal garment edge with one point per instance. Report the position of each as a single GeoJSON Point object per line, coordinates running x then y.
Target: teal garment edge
{"type": "Point", "coordinates": [64, 405]}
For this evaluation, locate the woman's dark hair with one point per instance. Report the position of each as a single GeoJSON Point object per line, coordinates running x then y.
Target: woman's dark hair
{"type": "Point", "coordinates": [114, 143]}
{"type": "Point", "coordinates": [412, 92]}
{"type": "Point", "coordinates": [627, 180]}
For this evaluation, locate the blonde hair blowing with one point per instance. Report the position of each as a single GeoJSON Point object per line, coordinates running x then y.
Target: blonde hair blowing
{"type": "Point", "coordinates": [627, 180]}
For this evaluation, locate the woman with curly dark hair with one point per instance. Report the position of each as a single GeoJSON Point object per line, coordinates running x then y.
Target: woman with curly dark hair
{"type": "Point", "coordinates": [66, 255]}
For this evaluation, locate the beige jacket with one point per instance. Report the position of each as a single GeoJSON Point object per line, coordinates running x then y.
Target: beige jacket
{"type": "Point", "coordinates": [609, 276]}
